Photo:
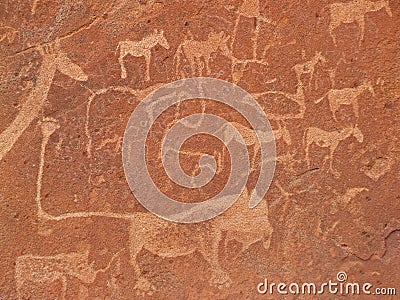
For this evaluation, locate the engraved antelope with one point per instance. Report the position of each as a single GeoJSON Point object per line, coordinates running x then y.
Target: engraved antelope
{"type": "Point", "coordinates": [354, 11]}
{"type": "Point", "coordinates": [53, 59]}
{"type": "Point", "coordinates": [328, 139]}
{"type": "Point", "coordinates": [141, 48]}
{"type": "Point", "coordinates": [194, 50]}
{"type": "Point", "coordinates": [346, 96]}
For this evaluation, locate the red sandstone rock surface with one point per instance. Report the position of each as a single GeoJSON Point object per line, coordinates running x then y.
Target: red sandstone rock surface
{"type": "Point", "coordinates": [327, 75]}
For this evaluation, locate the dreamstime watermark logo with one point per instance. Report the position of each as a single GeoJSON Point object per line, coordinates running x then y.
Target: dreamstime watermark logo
{"type": "Point", "coordinates": [336, 287]}
{"type": "Point", "coordinates": [148, 110]}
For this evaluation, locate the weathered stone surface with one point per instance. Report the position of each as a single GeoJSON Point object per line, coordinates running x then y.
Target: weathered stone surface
{"type": "Point", "coordinates": [326, 73]}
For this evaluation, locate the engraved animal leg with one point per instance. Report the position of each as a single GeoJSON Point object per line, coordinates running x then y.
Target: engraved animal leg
{"type": "Point", "coordinates": [121, 62]}
{"type": "Point", "coordinates": [361, 23]}
{"type": "Point", "coordinates": [207, 62]}
{"type": "Point", "coordinates": [219, 277]}
{"type": "Point", "coordinates": [334, 106]}
{"type": "Point", "coordinates": [136, 243]}
{"type": "Point", "coordinates": [192, 62]}
{"type": "Point", "coordinates": [64, 287]}
{"type": "Point", "coordinates": [332, 26]}
{"type": "Point", "coordinates": [199, 65]}
{"type": "Point", "coordinates": [307, 144]}
{"type": "Point", "coordinates": [332, 149]}
{"type": "Point", "coordinates": [147, 57]}
{"type": "Point", "coordinates": [311, 74]}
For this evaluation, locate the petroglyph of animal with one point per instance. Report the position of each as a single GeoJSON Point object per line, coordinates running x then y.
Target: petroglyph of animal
{"type": "Point", "coordinates": [251, 9]}
{"type": "Point", "coordinates": [328, 139]}
{"type": "Point", "coordinates": [43, 270]}
{"type": "Point", "coordinates": [283, 133]}
{"type": "Point", "coordinates": [141, 48]}
{"type": "Point", "coordinates": [53, 59]}
{"type": "Point", "coordinates": [298, 98]}
{"type": "Point", "coordinates": [151, 233]}
{"type": "Point", "coordinates": [308, 67]}
{"type": "Point", "coordinates": [194, 50]}
{"type": "Point", "coordinates": [346, 96]}
{"type": "Point", "coordinates": [252, 227]}
{"type": "Point", "coordinates": [350, 193]}
{"type": "Point", "coordinates": [354, 11]}
{"type": "Point", "coordinates": [248, 135]}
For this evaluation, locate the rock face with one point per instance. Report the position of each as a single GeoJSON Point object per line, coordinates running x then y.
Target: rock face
{"type": "Point", "coordinates": [326, 74]}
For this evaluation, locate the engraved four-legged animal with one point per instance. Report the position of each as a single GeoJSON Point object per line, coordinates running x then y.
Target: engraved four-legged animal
{"type": "Point", "coordinates": [328, 139]}
{"type": "Point", "coordinates": [194, 50]}
{"type": "Point", "coordinates": [354, 11]}
{"type": "Point", "coordinates": [44, 270]}
{"type": "Point", "coordinates": [346, 96]}
{"type": "Point", "coordinates": [141, 48]}
{"type": "Point", "coordinates": [308, 67]}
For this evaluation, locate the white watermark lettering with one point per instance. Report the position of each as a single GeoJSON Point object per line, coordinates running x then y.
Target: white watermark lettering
{"type": "Point", "coordinates": [335, 287]}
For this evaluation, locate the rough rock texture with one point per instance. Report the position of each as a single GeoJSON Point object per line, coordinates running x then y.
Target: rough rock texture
{"type": "Point", "coordinates": [326, 73]}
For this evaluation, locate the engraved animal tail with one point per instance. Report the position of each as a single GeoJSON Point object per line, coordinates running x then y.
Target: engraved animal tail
{"type": "Point", "coordinates": [322, 98]}
{"type": "Point", "coordinates": [118, 46]}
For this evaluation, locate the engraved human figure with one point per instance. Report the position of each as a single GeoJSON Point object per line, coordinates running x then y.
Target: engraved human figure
{"type": "Point", "coordinates": [141, 48]}
{"type": "Point", "coordinates": [53, 59]}
{"type": "Point", "coordinates": [328, 139]}
{"type": "Point", "coordinates": [195, 50]}
{"type": "Point", "coordinates": [354, 11]}
{"type": "Point", "coordinates": [346, 96]}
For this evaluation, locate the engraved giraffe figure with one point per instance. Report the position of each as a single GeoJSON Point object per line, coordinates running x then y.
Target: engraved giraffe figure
{"type": "Point", "coordinates": [354, 11]}
{"type": "Point", "coordinates": [308, 67]}
{"type": "Point", "coordinates": [44, 270]}
{"type": "Point", "coordinates": [141, 48]}
{"type": "Point", "coordinates": [194, 50]}
{"type": "Point", "coordinates": [251, 9]}
{"type": "Point", "coordinates": [346, 96]}
{"type": "Point", "coordinates": [53, 59]}
{"type": "Point", "coordinates": [328, 139]}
